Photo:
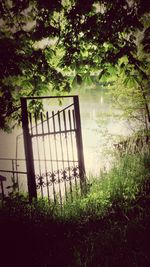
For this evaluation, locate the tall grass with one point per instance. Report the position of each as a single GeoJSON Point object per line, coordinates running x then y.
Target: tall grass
{"type": "Point", "coordinates": [120, 186]}
{"type": "Point", "coordinates": [128, 177]}
{"type": "Point", "coordinates": [107, 227]}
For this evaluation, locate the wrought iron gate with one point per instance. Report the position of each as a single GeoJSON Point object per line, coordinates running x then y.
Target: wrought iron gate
{"type": "Point", "coordinates": [54, 151]}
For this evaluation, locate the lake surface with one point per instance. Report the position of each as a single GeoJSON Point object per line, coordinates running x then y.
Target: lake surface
{"type": "Point", "coordinates": [95, 131]}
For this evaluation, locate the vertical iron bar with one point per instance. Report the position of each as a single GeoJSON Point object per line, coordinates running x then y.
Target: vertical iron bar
{"type": "Point", "coordinates": [74, 127]}
{"type": "Point", "coordinates": [70, 124]}
{"type": "Point", "coordinates": [38, 152]}
{"type": "Point", "coordinates": [62, 154]}
{"type": "Point", "coordinates": [47, 185]}
{"type": "Point", "coordinates": [50, 150]}
{"type": "Point", "coordinates": [72, 148]}
{"type": "Point", "coordinates": [31, 126]}
{"type": "Point", "coordinates": [28, 152]}
{"type": "Point", "coordinates": [79, 145]}
{"type": "Point", "coordinates": [74, 121]}
{"type": "Point", "coordinates": [53, 117]}
{"type": "Point", "coordinates": [16, 162]}
{"type": "Point", "coordinates": [65, 126]}
{"type": "Point", "coordinates": [13, 176]}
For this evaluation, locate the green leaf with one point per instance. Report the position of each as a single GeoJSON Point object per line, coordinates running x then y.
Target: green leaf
{"type": "Point", "coordinates": [87, 79]}
{"type": "Point", "coordinates": [104, 76]}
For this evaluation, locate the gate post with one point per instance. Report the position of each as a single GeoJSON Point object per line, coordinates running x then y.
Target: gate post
{"type": "Point", "coordinates": [79, 145]}
{"type": "Point", "coordinates": [28, 152]}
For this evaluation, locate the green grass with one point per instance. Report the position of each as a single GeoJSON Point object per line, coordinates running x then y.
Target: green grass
{"type": "Point", "coordinates": [108, 227]}
{"type": "Point", "coordinates": [128, 178]}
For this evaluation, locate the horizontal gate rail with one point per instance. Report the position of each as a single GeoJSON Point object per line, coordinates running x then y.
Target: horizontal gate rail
{"type": "Point", "coordinates": [19, 172]}
{"type": "Point", "coordinates": [19, 159]}
{"type": "Point", "coordinates": [15, 176]}
{"type": "Point", "coordinates": [51, 133]}
{"type": "Point", "coordinates": [48, 97]}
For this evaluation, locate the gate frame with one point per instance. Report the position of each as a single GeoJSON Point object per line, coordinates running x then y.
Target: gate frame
{"type": "Point", "coordinates": [32, 190]}
{"type": "Point", "coordinates": [28, 151]}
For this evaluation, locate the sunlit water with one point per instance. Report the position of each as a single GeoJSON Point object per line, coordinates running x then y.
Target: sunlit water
{"type": "Point", "coordinates": [93, 103]}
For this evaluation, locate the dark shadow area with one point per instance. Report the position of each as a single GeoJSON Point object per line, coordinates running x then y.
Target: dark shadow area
{"type": "Point", "coordinates": [30, 237]}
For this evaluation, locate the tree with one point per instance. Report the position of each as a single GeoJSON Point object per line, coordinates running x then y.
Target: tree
{"type": "Point", "coordinates": [117, 50]}
{"type": "Point", "coordinates": [43, 43]}
{"type": "Point", "coordinates": [129, 81]}
{"type": "Point", "coordinates": [25, 67]}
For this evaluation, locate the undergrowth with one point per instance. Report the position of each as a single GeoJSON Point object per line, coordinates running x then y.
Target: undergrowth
{"type": "Point", "coordinates": [119, 187]}
{"type": "Point", "coordinates": [107, 227]}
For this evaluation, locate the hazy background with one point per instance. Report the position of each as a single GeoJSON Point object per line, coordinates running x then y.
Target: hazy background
{"type": "Point", "coordinates": [96, 133]}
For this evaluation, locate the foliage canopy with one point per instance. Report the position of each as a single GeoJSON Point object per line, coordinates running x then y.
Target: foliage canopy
{"type": "Point", "coordinates": [45, 43]}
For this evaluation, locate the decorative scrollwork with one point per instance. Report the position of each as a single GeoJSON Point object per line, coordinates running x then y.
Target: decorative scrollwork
{"type": "Point", "coordinates": [56, 177]}
{"type": "Point", "coordinates": [40, 181]}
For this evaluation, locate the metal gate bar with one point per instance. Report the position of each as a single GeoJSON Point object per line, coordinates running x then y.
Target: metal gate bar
{"type": "Point", "coordinates": [62, 132]}
{"type": "Point", "coordinates": [28, 151]}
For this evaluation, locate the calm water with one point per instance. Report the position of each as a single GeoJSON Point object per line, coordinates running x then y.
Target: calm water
{"type": "Point", "coordinates": [93, 103]}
